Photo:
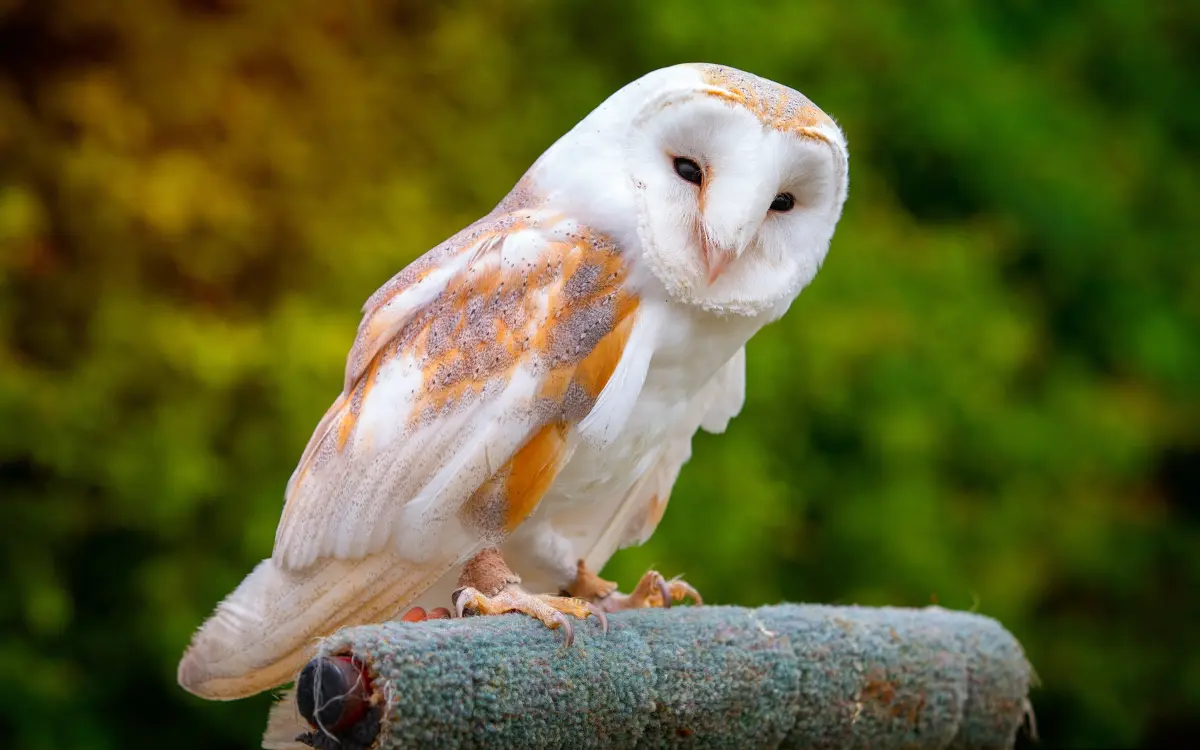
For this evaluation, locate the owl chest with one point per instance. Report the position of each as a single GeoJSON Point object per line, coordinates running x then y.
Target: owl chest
{"type": "Point", "coordinates": [689, 352]}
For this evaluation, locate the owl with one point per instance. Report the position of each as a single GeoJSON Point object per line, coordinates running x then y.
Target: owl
{"type": "Point", "coordinates": [519, 401]}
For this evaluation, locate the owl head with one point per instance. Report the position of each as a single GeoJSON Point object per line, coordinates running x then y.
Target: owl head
{"type": "Point", "coordinates": [729, 185]}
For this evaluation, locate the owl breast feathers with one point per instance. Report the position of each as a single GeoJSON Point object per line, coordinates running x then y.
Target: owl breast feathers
{"type": "Point", "coordinates": [533, 383]}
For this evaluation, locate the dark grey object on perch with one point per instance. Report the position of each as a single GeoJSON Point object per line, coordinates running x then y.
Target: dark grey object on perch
{"type": "Point", "coordinates": [788, 676]}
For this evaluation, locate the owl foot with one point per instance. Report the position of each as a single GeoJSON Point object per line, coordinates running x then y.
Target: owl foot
{"type": "Point", "coordinates": [488, 587]}
{"type": "Point", "coordinates": [652, 591]}
{"type": "Point", "coordinates": [551, 610]}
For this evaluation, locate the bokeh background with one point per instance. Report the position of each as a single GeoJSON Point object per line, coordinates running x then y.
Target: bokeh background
{"type": "Point", "coordinates": [987, 399]}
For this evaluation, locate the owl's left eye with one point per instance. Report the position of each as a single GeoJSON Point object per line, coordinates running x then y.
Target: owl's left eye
{"type": "Point", "coordinates": [689, 170]}
{"type": "Point", "coordinates": [783, 202]}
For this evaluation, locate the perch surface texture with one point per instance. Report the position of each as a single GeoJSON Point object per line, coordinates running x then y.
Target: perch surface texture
{"type": "Point", "coordinates": [786, 676]}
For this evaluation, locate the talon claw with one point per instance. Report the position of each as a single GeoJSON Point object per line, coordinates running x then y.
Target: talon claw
{"type": "Point", "coordinates": [600, 615]}
{"type": "Point", "coordinates": [460, 601]}
{"type": "Point", "coordinates": [561, 619]}
{"type": "Point", "coordinates": [666, 592]}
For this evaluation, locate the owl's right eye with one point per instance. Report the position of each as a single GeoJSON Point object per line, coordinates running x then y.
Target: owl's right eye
{"type": "Point", "coordinates": [689, 170]}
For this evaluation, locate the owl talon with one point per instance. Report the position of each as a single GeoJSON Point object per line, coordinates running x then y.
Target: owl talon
{"type": "Point", "coordinates": [664, 591]}
{"type": "Point", "coordinates": [551, 611]}
{"type": "Point", "coordinates": [569, 633]}
{"type": "Point", "coordinates": [600, 615]}
{"type": "Point", "coordinates": [463, 597]}
{"type": "Point", "coordinates": [652, 591]}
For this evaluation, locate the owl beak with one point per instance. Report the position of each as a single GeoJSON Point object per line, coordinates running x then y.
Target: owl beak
{"type": "Point", "coordinates": [729, 226]}
{"type": "Point", "coordinates": [717, 259]}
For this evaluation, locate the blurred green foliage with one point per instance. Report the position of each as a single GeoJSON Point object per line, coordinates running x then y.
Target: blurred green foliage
{"type": "Point", "coordinates": [988, 398]}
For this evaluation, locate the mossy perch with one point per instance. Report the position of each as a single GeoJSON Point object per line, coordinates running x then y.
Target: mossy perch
{"type": "Point", "coordinates": [787, 676]}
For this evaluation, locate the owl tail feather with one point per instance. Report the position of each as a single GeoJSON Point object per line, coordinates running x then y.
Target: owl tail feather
{"type": "Point", "coordinates": [261, 635]}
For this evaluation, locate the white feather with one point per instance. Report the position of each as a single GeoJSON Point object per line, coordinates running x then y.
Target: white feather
{"type": "Point", "coordinates": [728, 394]}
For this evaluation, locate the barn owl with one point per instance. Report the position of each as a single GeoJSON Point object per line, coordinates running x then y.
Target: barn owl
{"type": "Point", "coordinates": [518, 401]}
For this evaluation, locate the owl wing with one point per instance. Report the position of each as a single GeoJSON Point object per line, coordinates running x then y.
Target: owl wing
{"type": "Point", "coordinates": [473, 372]}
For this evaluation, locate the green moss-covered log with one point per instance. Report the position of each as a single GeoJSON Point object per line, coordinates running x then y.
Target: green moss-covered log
{"type": "Point", "coordinates": [788, 676]}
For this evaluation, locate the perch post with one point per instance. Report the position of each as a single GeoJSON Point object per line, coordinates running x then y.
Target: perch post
{"type": "Point", "coordinates": [785, 676]}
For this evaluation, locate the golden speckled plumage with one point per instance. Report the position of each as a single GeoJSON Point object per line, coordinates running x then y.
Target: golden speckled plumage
{"type": "Point", "coordinates": [776, 106]}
